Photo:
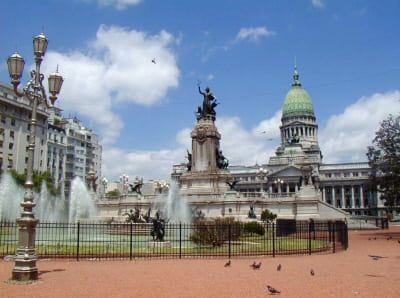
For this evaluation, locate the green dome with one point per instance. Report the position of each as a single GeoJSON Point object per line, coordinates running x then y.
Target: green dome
{"type": "Point", "coordinates": [297, 101]}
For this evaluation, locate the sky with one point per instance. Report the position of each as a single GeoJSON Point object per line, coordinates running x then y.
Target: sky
{"type": "Point", "coordinates": [347, 54]}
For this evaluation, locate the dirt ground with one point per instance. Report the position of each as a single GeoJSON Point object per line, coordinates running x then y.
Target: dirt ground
{"type": "Point", "coordinates": [350, 273]}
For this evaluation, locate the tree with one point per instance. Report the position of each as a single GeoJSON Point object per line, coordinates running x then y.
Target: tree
{"type": "Point", "coordinates": [384, 158]}
{"type": "Point", "coordinates": [267, 215]}
{"type": "Point", "coordinates": [37, 179]}
{"type": "Point", "coordinates": [113, 193]}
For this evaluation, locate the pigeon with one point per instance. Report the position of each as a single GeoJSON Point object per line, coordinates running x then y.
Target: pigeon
{"type": "Point", "coordinates": [227, 264]}
{"type": "Point", "coordinates": [256, 266]}
{"type": "Point", "coordinates": [312, 272]}
{"type": "Point", "coordinates": [272, 290]}
{"type": "Point", "coordinates": [369, 238]}
{"type": "Point", "coordinates": [153, 60]}
{"type": "Point", "coordinates": [390, 237]}
{"type": "Point", "coordinates": [398, 241]}
{"type": "Point", "coordinates": [374, 238]}
{"type": "Point", "coordinates": [376, 258]}
{"type": "Point", "coordinates": [279, 267]}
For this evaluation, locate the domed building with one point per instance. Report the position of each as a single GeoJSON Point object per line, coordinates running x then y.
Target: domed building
{"type": "Point", "coordinates": [295, 183]}
{"type": "Point", "coordinates": [343, 186]}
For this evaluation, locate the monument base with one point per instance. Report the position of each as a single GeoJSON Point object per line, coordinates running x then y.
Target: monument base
{"type": "Point", "coordinates": [159, 244]}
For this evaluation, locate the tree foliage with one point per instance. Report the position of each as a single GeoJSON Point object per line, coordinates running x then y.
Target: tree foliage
{"type": "Point", "coordinates": [113, 193]}
{"type": "Point", "coordinates": [216, 231]}
{"type": "Point", "coordinates": [384, 158]}
{"type": "Point", "coordinates": [267, 215]}
{"type": "Point", "coordinates": [37, 179]}
{"type": "Point", "coordinates": [253, 227]}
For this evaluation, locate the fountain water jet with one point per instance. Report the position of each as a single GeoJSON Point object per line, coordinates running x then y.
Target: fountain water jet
{"type": "Point", "coordinates": [81, 204]}
{"type": "Point", "coordinates": [174, 207]}
{"type": "Point", "coordinates": [11, 196]}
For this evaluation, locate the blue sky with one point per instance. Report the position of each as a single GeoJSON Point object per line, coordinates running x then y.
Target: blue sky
{"type": "Point", "coordinates": [347, 54]}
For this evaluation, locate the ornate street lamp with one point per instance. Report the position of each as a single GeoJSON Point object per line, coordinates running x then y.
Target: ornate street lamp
{"type": "Point", "coordinates": [104, 182]}
{"type": "Point", "coordinates": [262, 173]}
{"type": "Point", "coordinates": [25, 259]}
{"type": "Point", "coordinates": [124, 181]}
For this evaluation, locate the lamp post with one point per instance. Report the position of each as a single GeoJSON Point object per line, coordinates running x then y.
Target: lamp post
{"type": "Point", "coordinates": [262, 173]}
{"type": "Point", "coordinates": [104, 182]}
{"type": "Point", "coordinates": [124, 181]}
{"type": "Point", "coordinates": [25, 259]}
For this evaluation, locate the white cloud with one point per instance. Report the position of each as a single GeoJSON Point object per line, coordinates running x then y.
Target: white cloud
{"type": "Point", "coordinates": [347, 135]}
{"type": "Point", "coordinates": [240, 147]}
{"type": "Point", "coordinates": [243, 147]}
{"type": "Point", "coordinates": [146, 164]}
{"type": "Point", "coordinates": [116, 67]}
{"type": "Point", "coordinates": [253, 34]}
{"type": "Point", "coordinates": [318, 3]}
{"type": "Point", "coordinates": [117, 4]}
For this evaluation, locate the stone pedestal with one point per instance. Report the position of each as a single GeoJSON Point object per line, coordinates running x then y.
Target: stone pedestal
{"type": "Point", "coordinates": [206, 176]}
{"type": "Point", "coordinates": [159, 244]}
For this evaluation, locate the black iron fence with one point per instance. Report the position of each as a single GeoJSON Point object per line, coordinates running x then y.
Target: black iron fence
{"type": "Point", "coordinates": [130, 240]}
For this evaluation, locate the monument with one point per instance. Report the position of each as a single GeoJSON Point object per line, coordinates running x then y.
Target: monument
{"type": "Point", "coordinates": [207, 172]}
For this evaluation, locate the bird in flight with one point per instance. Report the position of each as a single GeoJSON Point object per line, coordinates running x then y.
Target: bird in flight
{"type": "Point", "coordinates": [153, 60]}
{"type": "Point", "coordinates": [272, 290]}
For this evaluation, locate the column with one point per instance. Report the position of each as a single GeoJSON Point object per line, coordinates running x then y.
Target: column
{"type": "Point", "coordinates": [352, 197]}
{"type": "Point", "coordinates": [323, 194]}
{"type": "Point", "coordinates": [270, 189]}
{"type": "Point", "coordinates": [343, 203]}
{"type": "Point", "coordinates": [361, 197]}
{"type": "Point", "coordinates": [287, 187]}
{"type": "Point", "coordinates": [55, 176]}
{"type": "Point", "coordinates": [333, 196]}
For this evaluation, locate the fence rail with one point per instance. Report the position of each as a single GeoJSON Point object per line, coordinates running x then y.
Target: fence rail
{"type": "Point", "coordinates": [129, 240]}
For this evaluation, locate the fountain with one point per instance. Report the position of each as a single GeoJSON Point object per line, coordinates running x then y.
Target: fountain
{"type": "Point", "coordinates": [174, 207]}
{"type": "Point", "coordinates": [81, 205]}
{"type": "Point", "coordinates": [49, 208]}
{"type": "Point", "coordinates": [11, 196]}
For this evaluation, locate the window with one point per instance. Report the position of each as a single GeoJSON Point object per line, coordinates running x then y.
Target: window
{"type": "Point", "coordinates": [3, 119]}
{"type": "Point", "coordinates": [11, 146]}
{"type": "Point", "coordinates": [11, 134]}
{"type": "Point", "coordinates": [1, 143]}
{"type": "Point", "coordinates": [12, 122]}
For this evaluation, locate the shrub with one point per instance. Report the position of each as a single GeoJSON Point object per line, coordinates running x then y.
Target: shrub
{"type": "Point", "coordinates": [267, 215]}
{"type": "Point", "coordinates": [253, 227]}
{"type": "Point", "coordinates": [113, 193]}
{"type": "Point", "coordinates": [216, 231]}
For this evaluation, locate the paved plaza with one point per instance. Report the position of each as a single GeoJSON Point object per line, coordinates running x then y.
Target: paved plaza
{"type": "Point", "coordinates": [351, 273]}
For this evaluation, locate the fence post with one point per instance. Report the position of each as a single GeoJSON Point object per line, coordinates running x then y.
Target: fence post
{"type": "Point", "coordinates": [309, 237]}
{"type": "Point", "coordinates": [180, 240]}
{"type": "Point", "coordinates": [229, 239]}
{"type": "Point", "coordinates": [77, 244]}
{"type": "Point", "coordinates": [273, 239]}
{"type": "Point", "coordinates": [130, 241]}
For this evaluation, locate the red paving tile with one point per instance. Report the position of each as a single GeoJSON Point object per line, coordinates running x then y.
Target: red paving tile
{"type": "Point", "coordinates": [350, 273]}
